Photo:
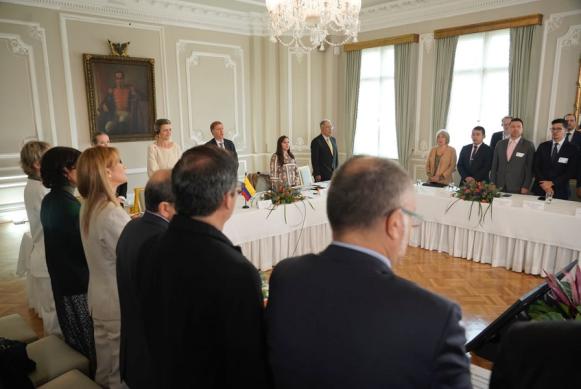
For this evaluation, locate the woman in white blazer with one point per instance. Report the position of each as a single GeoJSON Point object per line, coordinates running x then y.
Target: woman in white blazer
{"type": "Point", "coordinates": [38, 280]}
{"type": "Point", "coordinates": [100, 171]}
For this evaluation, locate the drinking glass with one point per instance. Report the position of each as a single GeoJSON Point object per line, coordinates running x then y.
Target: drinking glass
{"type": "Point", "coordinates": [548, 197]}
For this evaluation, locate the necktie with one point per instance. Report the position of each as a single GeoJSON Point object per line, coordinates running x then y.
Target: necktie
{"type": "Point", "coordinates": [510, 149]}
{"type": "Point", "coordinates": [221, 145]}
{"type": "Point", "coordinates": [328, 140]}
{"type": "Point", "coordinates": [567, 137]}
{"type": "Point", "coordinates": [474, 151]}
{"type": "Point", "coordinates": [554, 153]}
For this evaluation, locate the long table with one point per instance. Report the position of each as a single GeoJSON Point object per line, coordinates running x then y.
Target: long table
{"type": "Point", "coordinates": [267, 237]}
{"type": "Point", "coordinates": [514, 236]}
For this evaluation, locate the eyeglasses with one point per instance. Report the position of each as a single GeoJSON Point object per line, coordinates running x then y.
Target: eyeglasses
{"type": "Point", "coordinates": [417, 219]}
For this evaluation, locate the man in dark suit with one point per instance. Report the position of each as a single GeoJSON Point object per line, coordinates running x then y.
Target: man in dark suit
{"type": "Point", "coordinates": [538, 355]}
{"type": "Point", "coordinates": [324, 153]}
{"type": "Point", "coordinates": [218, 140]}
{"type": "Point", "coordinates": [572, 130]}
{"type": "Point", "coordinates": [512, 161]}
{"type": "Point", "coordinates": [342, 318]}
{"type": "Point", "coordinates": [135, 361]}
{"type": "Point", "coordinates": [475, 159]}
{"type": "Point", "coordinates": [205, 327]}
{"type": "Point", "coordinates": [555, 163]}
{"type": "Point", "coordinates": [500, 135]}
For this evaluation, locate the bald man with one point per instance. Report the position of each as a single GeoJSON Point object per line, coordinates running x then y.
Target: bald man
{"type": "Point", "coordinates": [134, 361]}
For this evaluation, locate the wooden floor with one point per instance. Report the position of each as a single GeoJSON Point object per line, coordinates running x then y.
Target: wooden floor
{"type": "Point", "coordinates": [482, 291]}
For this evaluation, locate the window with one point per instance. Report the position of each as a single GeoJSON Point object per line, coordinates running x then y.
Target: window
{"type": "Point", "coordinates": [479, 94]}
{"type": "Point", "coordinates": [375, 130]}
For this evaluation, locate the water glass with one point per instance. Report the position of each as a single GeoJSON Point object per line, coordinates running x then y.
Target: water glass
{"type": "Point", "coordinates": [548, 197]}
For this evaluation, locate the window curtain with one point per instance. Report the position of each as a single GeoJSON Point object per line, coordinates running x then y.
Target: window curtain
{"type": "Point", "coordinates": [445, 54]}
{"type": "Point", "coordinates": [352, 74]}
{"type": "Point", "coordinates": [405, 96]}
{"type": "Point", "coordinates": [519, 73]}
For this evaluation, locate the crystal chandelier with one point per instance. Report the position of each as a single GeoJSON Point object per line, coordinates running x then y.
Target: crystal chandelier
{"type": "Point", "coordinates": [303, 25]}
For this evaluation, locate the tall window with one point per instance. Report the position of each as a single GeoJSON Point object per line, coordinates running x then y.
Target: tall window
{"type": "Point", "coordinates": [479, 86]}
{"type": "Point", "coordinates": [375, 130]}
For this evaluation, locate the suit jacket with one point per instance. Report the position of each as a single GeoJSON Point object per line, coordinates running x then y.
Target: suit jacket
{"type": "Point", "coordinates": [559, 171]}
{"type": "Point", "coordinates": [517, 173]}
{"type": "Point", "coordinates": [343, 319]}
{"type": "Point", "coordinates": [446, 167]}
{"type": "Point", "coordinates": [576, 139]}
{"type": "Point", "coordinates": [65, 258]}
{"type": "Point", "coordinates": [538, 355]}
{"type": "Point", "coordinates": [134, 360]}
{"type": "Point", "coordinates": [228, 144]}
{"type": "Point", "coordinates": [205, 329]}
{"type": "Point", "coordinates": [99, 245]}
{"type": "Point", "coordinates": [324, 163]}
{"type": "Point", "coordinates": [122, 190]}
{"type": "Point", "coordinates": [479, 169]}
{"type": "Point", "coordinates": [496, 137]}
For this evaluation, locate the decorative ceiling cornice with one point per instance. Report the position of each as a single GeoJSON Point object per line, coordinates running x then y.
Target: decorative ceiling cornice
{"type": "Point", "coordinates": [190, 14]}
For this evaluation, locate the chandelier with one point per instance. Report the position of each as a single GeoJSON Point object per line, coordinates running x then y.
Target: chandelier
{"type": "Point", "coordinates": [304, 25]}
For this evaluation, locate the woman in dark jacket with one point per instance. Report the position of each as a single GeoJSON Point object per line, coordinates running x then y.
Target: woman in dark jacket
{"type": "Point", "coordinates": [65, 257]}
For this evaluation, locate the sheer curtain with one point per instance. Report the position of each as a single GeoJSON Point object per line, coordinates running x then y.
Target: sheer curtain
{"type": "Point", "coordinates": [480, 86]}
{"type": "Point", "coordinates": [405, 92]}
{"type": "Point", "coordinates": [353, 70]}
{"type": "Point", "coordinates": [521, 46]}
{"type": "Point", "coordinates": [375, 131]}
{"type": "Point", "coordinates": [445, 54]}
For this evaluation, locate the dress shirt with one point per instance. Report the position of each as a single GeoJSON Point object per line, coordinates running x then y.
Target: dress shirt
{"type": "Point", "coordinates": [559, 144]}
{"type": "Point", "coordinates": [364, 250]}
{"type": "Point", "coordinates": [511, 146]}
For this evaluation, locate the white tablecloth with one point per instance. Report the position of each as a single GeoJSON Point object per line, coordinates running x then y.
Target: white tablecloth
{"type": "Point", "coordinates": [267, 238]}
{"type": "Point", "coordinates": [515, 237]}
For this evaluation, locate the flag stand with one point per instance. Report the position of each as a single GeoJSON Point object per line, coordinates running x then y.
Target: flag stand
{"type": "Point", "coordinates": [245, 206]}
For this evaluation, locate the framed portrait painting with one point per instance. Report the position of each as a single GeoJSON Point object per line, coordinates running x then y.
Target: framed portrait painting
{"type": "Point", "coordinates": [120, 96]}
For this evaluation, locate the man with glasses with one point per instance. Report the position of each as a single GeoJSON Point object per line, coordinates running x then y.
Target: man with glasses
{"type": "Point", "coordinates": [342, 318]}
{"type": "Point", "coordinates": [500, 135]}
{"type": "Point", "coordinates": [324, 152]}
{"type": "Point", "coordinates": [555, 163]}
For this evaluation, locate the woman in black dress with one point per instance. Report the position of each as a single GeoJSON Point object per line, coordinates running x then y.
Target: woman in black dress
{"type": "Point", "coordinates": [65, 257]}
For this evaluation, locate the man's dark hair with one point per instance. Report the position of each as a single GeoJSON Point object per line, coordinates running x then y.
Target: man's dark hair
{"type": "Point", "coordinates": [53, 164]}
{"type": "Point", "coordinates": [363, 189]}
{"type": "Point", "coordinates": [201, 178]}
{"type": "Point", "coordinates": [157, 191]}
{"type": "Point", "coordinates": [518, 120]}
{"type": "Point", "coordinates": [95, 136]}
{"type": "Point", "coordinates": [214, 124]}
{"type": "Point", "coordinates": [560, 121]}
{"type": "Point", "coordinates": [481, 129]}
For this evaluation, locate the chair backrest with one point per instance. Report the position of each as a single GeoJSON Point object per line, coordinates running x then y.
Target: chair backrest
{"type": "Point", "coordinates": [260, 182]}
{"type": "Point", "coordinates": [306, 177]}
{"type": "Point", "coordinates": [138, 201]}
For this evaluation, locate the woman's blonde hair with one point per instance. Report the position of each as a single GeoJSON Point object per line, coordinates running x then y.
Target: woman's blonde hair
{"type": "Point", "coordinates": [93, 180]}
{"type": "Point", "coordinates": [445, 134]}
{"type": "Point", "coordinates": [31, 153]}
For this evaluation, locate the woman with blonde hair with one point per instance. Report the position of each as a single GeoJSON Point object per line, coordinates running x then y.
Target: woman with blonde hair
{"type": "Point", "coordinates": [441, 162]}
{"type": "Point", "coordinates": [163, 153]}
{"type": "Point", "coordinates": [39, 288]}
{"type": "Point", "coordinates": [99, 172]}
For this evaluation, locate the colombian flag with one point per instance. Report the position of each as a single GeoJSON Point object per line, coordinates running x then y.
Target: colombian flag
{"type": "Point", "coordinates": [247, 189]}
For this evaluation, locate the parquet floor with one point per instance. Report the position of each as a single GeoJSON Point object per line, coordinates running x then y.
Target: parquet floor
{"type": "Point", "coordinates": [482, 291]}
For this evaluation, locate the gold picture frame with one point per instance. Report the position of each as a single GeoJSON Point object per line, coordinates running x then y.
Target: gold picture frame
{"type": "Point", "coordinates": [120, 96]}
{"type": "Point", "coordinates": [577, 106]}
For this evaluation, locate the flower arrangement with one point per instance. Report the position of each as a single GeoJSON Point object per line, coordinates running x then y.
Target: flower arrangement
{"type": "Point", "coordinates": [563, 301]}
{"type": "Point", "coordinates": [283, 195]}
{"type": "Point", "coordinates": [481, 193]}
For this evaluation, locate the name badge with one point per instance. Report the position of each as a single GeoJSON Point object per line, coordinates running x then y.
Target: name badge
{"type": "Point", "coordinates": [563, 160]}
{"type": "Point", "coordinates": [520, 155]}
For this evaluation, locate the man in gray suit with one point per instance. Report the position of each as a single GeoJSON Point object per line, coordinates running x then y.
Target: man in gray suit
{"type": "Point", "coordinates": [512, 163]}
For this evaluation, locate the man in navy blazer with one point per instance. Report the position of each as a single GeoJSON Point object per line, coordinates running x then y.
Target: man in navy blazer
{"type": "Point", "coordinates": [475, 159]}
{"type": "Point", "coordinates": [342, 318]}
{"type": "Point", "coordinates": [573, 132]}
{"type": "Point", "coordinates": [135, 360]}
{"type": "Point", "coordinates": [218, 140]}
{"type": "Point", "coordinates": [555, 163]}
{"type": "Point", "coordinates": [500, 135]}
{"type": "Point", "coordinates": [324, 153]}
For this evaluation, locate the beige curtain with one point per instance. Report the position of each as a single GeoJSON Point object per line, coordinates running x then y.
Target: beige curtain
{"type": "Point", "coordinates": [405, 98]}
{"type": "Point", "coordinates": [444, 69]}
{"type": "Point", "coordinates": [521, 84]}
{"type": "Point", "coordinates": [353, 70]}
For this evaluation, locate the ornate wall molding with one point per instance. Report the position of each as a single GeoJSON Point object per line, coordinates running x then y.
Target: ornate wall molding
{"type": "Point", "coordinates": [571, 38]}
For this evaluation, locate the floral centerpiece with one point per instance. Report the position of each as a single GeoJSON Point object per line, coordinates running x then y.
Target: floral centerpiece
{"type": "Point", "coordinates": [480, 193]}
{"type": "Point", "coordinates": [283, 195]}
{"type": "Point", "coordinates": [563, 301]}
